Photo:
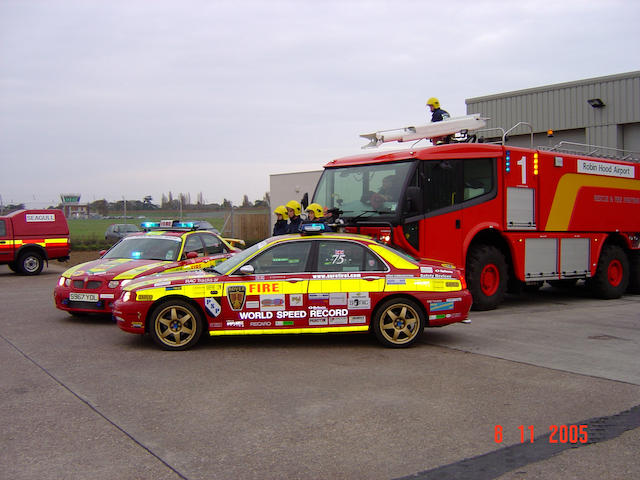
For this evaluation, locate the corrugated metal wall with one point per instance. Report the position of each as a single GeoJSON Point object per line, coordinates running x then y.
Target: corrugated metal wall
{"type": "Point", "coordinates": [564, 107]}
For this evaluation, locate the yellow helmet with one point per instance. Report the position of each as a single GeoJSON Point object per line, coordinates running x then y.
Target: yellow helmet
{"type": "Point", "coordinates": [317, 210]}
{"type": "Point", "coordinates": [295, 206]}
{"type": "Point", "coordinates": [281, 210]}
{"type": "Point", "coordinates": [433, 101]}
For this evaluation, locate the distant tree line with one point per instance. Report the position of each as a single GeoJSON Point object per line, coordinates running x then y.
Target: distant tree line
{"type": "Point", "coordinates": [171, 202]}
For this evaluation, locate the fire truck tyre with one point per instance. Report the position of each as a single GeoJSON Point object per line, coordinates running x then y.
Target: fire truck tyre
{"type": "Point", "coordinates": [30, 263]}
{"type": "Point", "coordinates": [13, 266]}
{"type": "Point", "coordinates": [486, 277]}
{"type": "Point", "coordinates": [634, 273]}
{"type": "Point", "coordinates": [398, 322]}
{"type": "Point", "coordinates": [175, 325]}
{"type": "Point", "coordinates": [612, 275]}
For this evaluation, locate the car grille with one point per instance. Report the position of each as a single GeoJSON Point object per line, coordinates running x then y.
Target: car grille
{"type": "Point", "coordinates": [90, 285]}
{"type": "Point", "coordinates": [86, 305]}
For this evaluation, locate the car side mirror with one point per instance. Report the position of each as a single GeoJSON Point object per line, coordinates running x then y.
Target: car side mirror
{"type": "Point", "coordinates": [247, 270]}
{"type": "Point", "coordinates": [191, 255]}
{"type": "Point", "coordinates": [101, 253]}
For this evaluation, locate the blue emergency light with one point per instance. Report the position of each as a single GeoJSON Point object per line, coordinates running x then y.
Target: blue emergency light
{"type": "Point", "coordinates": [311, 228]}
{"type": "Point", "coordinates": [507, 164]}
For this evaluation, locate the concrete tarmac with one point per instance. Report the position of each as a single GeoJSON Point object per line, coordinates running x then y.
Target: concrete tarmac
{"type": "Point", "coordinates": [83, 399]}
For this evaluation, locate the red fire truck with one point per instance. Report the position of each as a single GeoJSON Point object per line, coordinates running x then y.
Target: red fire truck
{"type": "Point", "coordinates": [511, 216]}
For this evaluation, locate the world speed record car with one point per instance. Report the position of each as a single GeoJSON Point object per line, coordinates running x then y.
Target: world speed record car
{"type": "Point", "coordinates": [92, 287]}
{"type": "Point", "coordinates": [299, 283]}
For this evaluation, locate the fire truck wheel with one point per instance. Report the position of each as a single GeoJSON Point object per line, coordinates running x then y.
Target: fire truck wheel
{"type": "Point", "coordinates": [175, 325]}
{"type": "Point", "coordinates": [398, 322]}
{"type": "Point", "coordinates": [30, 263]}
{"type": "Point", "coordinates": [612, 275]}
{"type": "Point", "coordinates": [486, 277]}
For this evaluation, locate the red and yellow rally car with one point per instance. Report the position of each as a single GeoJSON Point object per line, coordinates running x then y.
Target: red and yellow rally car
{"type": "Point", "coordinates": [92, 287]}
{"type": "Point", "coordinates": [314, 283]}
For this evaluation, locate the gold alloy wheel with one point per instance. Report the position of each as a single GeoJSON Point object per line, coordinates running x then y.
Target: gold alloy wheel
{"type": "Point", "coordinates": [176, 326]}
{"type": "Point", "coordinates": [400, 323]}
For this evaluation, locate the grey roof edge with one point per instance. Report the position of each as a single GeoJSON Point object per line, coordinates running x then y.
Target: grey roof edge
{"type": "Point", "coordinates": [290, 173]}
{"type": "Point", "coordinates": [556, 86]}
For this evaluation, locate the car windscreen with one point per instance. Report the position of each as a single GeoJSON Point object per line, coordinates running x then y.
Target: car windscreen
{"type": "Point", "coordinates": [146, 248]}
{"type": "Point", "coordinates": [363, 190]}
{"type": "Point", "coordinates": [225, 267]}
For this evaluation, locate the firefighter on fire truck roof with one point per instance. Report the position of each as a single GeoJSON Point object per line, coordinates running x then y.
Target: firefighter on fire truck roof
{"type": "Point", "coordinates": [437, 113]}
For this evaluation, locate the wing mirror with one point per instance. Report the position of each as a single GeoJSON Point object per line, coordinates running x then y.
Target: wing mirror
{"type": "Point", "coordinates": [247, 270]}
{"type": "Point", "coordinates": [192, 255]}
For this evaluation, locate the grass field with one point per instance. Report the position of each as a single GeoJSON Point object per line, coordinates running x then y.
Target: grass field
{"type": "Point", "coordinates": [89, 234]}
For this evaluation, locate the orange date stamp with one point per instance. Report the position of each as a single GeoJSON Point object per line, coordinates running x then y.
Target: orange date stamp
{"type": "Point", "coordinates": [557, 434]}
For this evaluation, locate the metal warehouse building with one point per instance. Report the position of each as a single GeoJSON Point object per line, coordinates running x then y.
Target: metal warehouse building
{"type": "Point", "coordinates": [603, 111]}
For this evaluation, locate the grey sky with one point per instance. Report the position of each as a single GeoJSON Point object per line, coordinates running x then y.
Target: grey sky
{"type": "Point", "coordinates": [141, 97]}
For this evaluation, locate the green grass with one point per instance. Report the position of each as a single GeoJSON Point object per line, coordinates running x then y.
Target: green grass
{"type": "Point", "coordinates": [89, 234]}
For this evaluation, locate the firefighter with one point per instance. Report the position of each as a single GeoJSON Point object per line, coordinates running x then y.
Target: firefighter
{"type": "Point", "coordinates": [315, 214]}
{"type": "Point", "coordinates": [280, 227]}
{"type": "Point", "coordinates": [437, 114]}
{"type": "Point", "coordinates": [294, 209]}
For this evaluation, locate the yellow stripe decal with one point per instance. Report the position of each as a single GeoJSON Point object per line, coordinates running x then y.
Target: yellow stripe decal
{"type": "Point", "coordinates": [263, 331]}
{"type": "Point", "coordinates": [394, 259]}
{"type": "Point", "coordinates": [134, 272]}
{"type": "Point", "coordinates": [567, 191]}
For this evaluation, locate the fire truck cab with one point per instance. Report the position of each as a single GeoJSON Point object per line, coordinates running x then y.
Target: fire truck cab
{"type": "Point", "coordinates": [510, 216]}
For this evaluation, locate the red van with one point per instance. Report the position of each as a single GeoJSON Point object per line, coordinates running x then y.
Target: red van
{"type": "Point", "coordinates": [28, 238]}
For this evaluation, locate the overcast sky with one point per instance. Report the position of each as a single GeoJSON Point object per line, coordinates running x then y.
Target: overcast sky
{"type": "Point", "coordinates": [130, 98]}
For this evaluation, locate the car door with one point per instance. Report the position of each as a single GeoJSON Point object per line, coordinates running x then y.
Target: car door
{"type": "Point", "coordinates": [273, 298]}
{"type": "Point", "coordinates": [347, 282]}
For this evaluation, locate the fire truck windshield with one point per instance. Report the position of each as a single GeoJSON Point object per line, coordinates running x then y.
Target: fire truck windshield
{"type": "Point", "coordinates": [364, 190]}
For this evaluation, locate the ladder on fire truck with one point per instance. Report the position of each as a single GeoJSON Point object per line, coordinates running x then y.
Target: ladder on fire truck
{"type": "Point", "coordinates": [594, 151]}
{"type": "Point", "coordinates": [452, 126]}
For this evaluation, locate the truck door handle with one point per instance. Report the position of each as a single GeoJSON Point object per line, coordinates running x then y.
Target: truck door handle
{"type": "Point", "coordinates": [294, 280]}
{"type": "Point", "coordinates": [458, 223]}
{"type": "Point", "coordinates": [370, 278]}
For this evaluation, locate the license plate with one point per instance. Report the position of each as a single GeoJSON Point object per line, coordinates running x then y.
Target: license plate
{"type": "Point", "coordinates": [83, 297]}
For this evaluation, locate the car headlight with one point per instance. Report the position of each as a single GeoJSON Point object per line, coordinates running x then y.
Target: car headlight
{"type": "Point", "coordinates": [61, 281]}
{"type": "Point", "coordinates": [67, 282]}
{"type": "Point", "coordinates": [113, 284]}
{"type": "Point", "coordinates": [124, 282]}
{"type": "Point", "coordinates": [126, 296]}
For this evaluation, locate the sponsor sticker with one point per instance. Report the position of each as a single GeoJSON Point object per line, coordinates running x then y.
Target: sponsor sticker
{"type": "Point", "coordinates": [259, 324]}
{"type": "Point", "coordinates": [318, 321]}
{"type": "Point", "coordinates": [426, 269]}
{"type": "Point", "coordinates": [144, 298]}
{"type": "Point", "coordinates": [295, 300]}
{"type": "Point", "coordinates": [284, 323]}
{"type": "Point", "coordinates": [235, 323]}
{"type": "Point", "coordinates": [252, 304]}
{"type": "Point", "coordinates": [338, 298]}
{"type": "Point", "coordinates": [271, 302]}
{"type": "Point", "coordinates": [396, 281]}
{"type": "Point", "coordinates": [338, 321]}
{"type": "Point", "coordinates": [440, 306]}
{"type": "Point", "coordinates": [357, 319]}
{"type": "Point", "coordinates": [359, 300]}
{"type": "Point", "coordinates": [314, 297]}
{"type": "Point", "coordinates": [236, 295]}
{"type": "Point", "coordinates": [212, 306]}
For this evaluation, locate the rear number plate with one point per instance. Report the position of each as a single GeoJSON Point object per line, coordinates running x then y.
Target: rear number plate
{"type": "Point", "coordinates": [83, 297]}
